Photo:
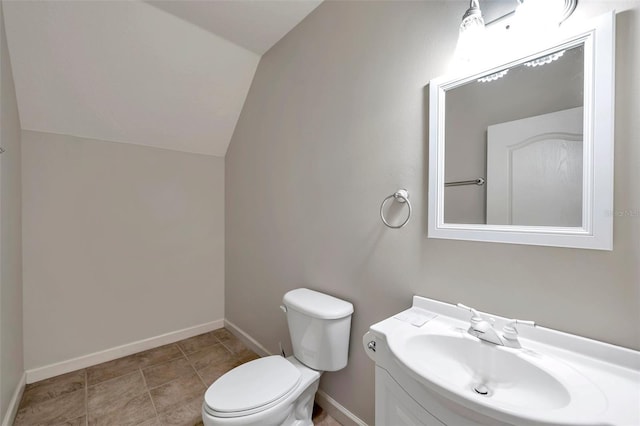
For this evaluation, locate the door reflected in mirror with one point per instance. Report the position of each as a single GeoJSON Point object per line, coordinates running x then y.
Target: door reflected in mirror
{"type": "Point", "coordinates": [513, 145]}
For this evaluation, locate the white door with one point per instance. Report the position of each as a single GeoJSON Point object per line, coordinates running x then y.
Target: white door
{"type": "Point", "coordinates": [534, 170]}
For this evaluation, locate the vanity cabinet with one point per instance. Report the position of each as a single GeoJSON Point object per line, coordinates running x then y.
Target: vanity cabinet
{"type": "Point", "coordinates": [394, 406]}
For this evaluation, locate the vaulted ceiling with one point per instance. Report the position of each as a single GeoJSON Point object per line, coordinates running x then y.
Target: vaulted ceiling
{"type": "Point", "coordinates": [168, 74]}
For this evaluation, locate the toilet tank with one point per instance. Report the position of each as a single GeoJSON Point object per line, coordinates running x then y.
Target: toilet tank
{"type": "Point", "coordinates": [319, 326]}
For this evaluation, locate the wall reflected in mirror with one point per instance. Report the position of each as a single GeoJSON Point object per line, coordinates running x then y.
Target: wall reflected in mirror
{"type": "Point", "coordinates": [520, 130]}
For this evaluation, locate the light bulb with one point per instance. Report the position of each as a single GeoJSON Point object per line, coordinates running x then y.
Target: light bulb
{"type": "Point", "coordinates": [472, 31]}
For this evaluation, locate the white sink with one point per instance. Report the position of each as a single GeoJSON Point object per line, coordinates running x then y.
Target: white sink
{"type": "Point", "coordinates": [505, 379]}
{"type": "Point", "coordinates": [546, 382]}
{"type": "Point", "coordinates": [505, 376]}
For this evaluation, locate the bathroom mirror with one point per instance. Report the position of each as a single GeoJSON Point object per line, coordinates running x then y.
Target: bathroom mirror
{"type": "Point", "coordinates": [521, 151]}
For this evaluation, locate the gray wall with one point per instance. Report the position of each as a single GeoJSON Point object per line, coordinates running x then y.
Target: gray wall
{"type": "Point", "coordinates": [336, 120]}
{"type": "Point", "coordinates": [11, 363]}
{"type": "Point", "coordinates": [121, 243]}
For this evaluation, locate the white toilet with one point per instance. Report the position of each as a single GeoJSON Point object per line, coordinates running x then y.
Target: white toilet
{"type": "Point", "coordinates": [274, 390]}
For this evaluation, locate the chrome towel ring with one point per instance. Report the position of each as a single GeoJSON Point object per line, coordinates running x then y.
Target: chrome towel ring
{"type": "Point", "coordinates": [401, 196]}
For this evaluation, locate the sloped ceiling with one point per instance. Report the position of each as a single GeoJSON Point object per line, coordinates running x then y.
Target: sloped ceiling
{"type": "Point", "coordinates": [253, 24]}
{"type": "Point", "coordinates": [128, 71]}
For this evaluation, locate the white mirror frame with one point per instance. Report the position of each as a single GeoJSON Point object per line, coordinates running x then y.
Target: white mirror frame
{"type": "Point", "coordinates": [596, 232]}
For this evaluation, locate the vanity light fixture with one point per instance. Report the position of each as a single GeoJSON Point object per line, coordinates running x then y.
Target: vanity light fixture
{"type": "Point", "coordinates": [529, 22]}
{"type": "Point", "coordinates": [543, 13]}
{"type": "Point", "coordinates": [494, 76]}
{"type": "Point", "coordinates": [532, 64]}
{"type": "Point", "coordinates": [471, 33]}
{"type": "Point", "coordinates": [545, 59]}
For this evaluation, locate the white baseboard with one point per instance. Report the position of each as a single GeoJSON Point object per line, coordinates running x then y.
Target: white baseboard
{"type": "Point", "coordinates": [328, 404]}
{"type": "Point", "coordinates": [52, 370]}
{"type": "Point", "coordinates": [337, 410]}
{"type": "Point", "coordinates": [249, 341]}
{"type": "Point", "coordinates": [12, 409]}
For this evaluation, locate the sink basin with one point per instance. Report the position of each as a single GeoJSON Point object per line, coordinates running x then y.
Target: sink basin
{"type": "Point", "coordinates": [492, 371]}
{"type": "Point", "coordinates": [519, 385]}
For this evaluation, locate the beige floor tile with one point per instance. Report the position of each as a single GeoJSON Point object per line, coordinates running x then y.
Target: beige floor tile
{"type": "Point", "coordinates": [54, 411]}
{"type": "Point", "coordinates": [102, 396]}
{"type": "Point", "coordinates": [186, 415]}
{"type": "Point", "coordinates": [211, 355]}
{"type": "Point", "coordinates": [246, 355]}
{"type": "Point", "coordinates": [197, 343]}
{"type": "Point", "coordinates": [176, 393]}
{"type": "Point", "coordinates": [150, 422]}
{"type": "Point", "coordinates": [158, 355]}
{"type": "Point", "coordinates": [125, 412]}
{"type": "Point", "coordinates": [121, 366]}
{"type": "Point", "coordinates": [222, 334]}
{"type": "Point", "coordinates": [166, 372]}
{"type": "Point", "coordinates": [80, 421]}
{"type": "Point", "coordinates": [54, 387]}
{"type": "Point", "coordinates": [212, 372]}
{"type": "Point", "coordinates": [233, 344]}
{"type": "Point", "coordinates": [112, 369]}
{"type": "Point", "coordinates": [230, 341]}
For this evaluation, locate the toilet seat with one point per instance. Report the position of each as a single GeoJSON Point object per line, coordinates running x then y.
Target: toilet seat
{"type": "Point", "coordinates": [269, 380]}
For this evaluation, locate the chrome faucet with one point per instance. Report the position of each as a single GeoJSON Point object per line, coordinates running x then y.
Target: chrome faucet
{"type": "Point", "coordinates": [483, 329]}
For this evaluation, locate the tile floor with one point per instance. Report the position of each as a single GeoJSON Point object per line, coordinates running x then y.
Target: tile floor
{"type": "Point", "coordinates": [161, 386]}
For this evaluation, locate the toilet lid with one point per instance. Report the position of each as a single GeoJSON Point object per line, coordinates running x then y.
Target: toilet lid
{"type": "Point", "coordinates": [252, 385]}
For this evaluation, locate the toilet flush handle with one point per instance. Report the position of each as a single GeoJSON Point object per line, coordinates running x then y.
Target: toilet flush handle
{"type": "Point", "coordinates": [284, 308]}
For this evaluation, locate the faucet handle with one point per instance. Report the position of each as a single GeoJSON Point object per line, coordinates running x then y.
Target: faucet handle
{"type": "Point", "coordinates": [476, 318]}
{"type": "Point", "coordinates": [510, 332]}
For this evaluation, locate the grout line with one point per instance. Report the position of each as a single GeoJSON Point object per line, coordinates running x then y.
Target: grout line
{"type": "Point", "coordinates": [227, 348]}
{"type": "Point", "coordinates": [177, 378]}
{"type": "Point", "coordinates": [215, 337]}
{"type": "Point", "coordinates": [177, 346]}
{"type": "Point", "coordinates": [32, 405]}
{"type": "Point", "coordinates": [120, 397]}
{"type": "Point", "coordinates": [139, 368]}
{"type": "Point", "coordinates": [219, 339]}
{"type": "Point", "coordinates": [159, 362]}
{"type": "Point", "coordinates": [86, 397]}
{"type": "Point", "coordinates": [170, 381]}
{"type": "Point", "coordinates": [183, 353]}
{"type": "Point", "coordinates": [112, 379]}
{"type": "Point", "coordinates": [193, 367]}
{"type": "Point", "coordinates": [186, 357]}
{"type": "Point", "coordinates": [144, 380]}
{"type": "Point", "coordinates": [202, 349]}
{"type": "Point", "coordinates": [222, 343]}
{"type": "Point", "coordinates": [201, 379]}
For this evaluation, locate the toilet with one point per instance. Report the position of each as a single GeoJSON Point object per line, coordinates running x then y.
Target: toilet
{"type": "Point", "coordinates": [278, 391]}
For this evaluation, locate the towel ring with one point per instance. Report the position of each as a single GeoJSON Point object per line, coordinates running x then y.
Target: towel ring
{"type": "Point", "coordinates": [401, 196]}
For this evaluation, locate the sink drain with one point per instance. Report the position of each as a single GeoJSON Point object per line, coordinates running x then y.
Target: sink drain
{"type": "Point", "coordinates": [481, 389]}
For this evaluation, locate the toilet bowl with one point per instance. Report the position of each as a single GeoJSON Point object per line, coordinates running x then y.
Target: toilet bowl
{"type": "Point", "coordinates": [282, 393]}
{"type": "Point", "coordinates": [274, 390]}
